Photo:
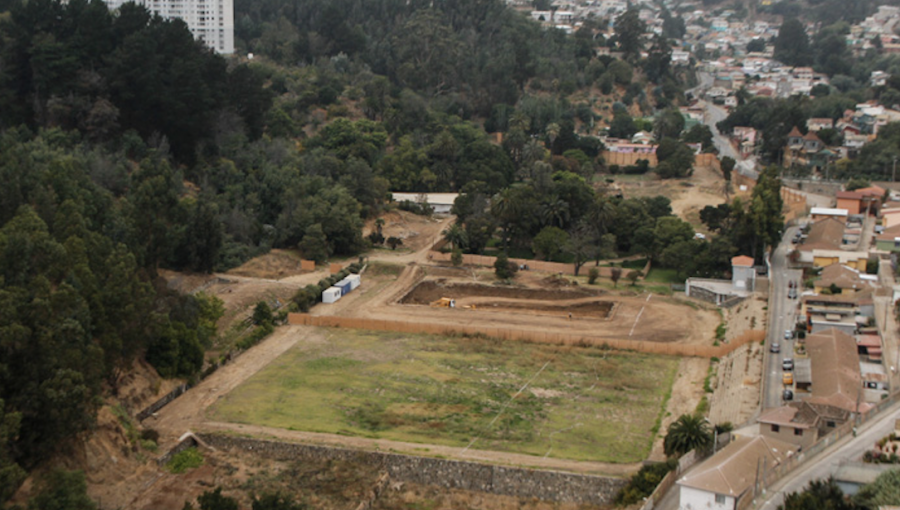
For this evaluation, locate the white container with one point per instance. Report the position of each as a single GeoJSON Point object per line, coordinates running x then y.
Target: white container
{"type": "Point", "coordinates": [331, 294]}
{"type": "Point", "coordinates": [355, 280]}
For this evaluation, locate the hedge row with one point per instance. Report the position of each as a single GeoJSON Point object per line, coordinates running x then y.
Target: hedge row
{"type": "Point", "coordinates": [309, 296]}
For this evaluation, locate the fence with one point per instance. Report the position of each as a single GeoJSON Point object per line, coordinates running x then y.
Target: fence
{"type": "Point", "coordinates": [649, 347]}
{"type": "Point", "coordinates": [163, 402]}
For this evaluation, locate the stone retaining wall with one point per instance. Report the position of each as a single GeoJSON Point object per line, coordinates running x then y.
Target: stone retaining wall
{"type": "Point", "coordinates": [452, 474]}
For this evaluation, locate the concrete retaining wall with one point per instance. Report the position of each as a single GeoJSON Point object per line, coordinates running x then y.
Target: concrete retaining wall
{"type": "Point", "coordinates": [188, 442]}
{"type": "Point", "coordinates": [163, 402]}
{"type": "Point", "coordinates": [452, 474]}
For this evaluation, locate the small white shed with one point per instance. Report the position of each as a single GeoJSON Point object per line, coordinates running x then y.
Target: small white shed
{"type": "Point", "coordinates": [331, 294]}
{"type": "Point", "coordinates": [355, 280]}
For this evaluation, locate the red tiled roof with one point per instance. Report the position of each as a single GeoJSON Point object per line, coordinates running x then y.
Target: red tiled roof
{"type": "Point", "coordinates": [871, 191]}
{"type": "Point", "coordinates": [742, 260]}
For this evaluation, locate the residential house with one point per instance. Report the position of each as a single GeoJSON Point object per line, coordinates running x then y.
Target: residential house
{"type": "Point", "coordinates": [818, 124]}
{"type": "Point", "coordinates": [803, 73]}
{"type": "Point", "coordinates": [826, 233]}
{"type": "Point", "coordinates": [726, 480]}
{"type": "Point", "coordinates": [806, 150]}
{"type": "Point", "coordinates": [836, 380]}
{"type": "Point", "coordinates": [844, 279]}
{"type": "Point", "coordinates": [869, 348]}
{"type": "Point", "coordinates": [889, 240]}
{"type": "Point", "coordinates": [801, 423]}
{"type": "Point", "coordinates": [747, 138]}
{"type": "Point", "coordinates": [890, 217]}
{"type": "Point", "coordinates": [849, 200]}
{"type": "Point", "coordinates": [873, 197]}
{"type": "Point", "coordinates": [813, 306]}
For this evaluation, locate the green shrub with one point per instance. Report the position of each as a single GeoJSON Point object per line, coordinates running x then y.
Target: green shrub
{"type": "Point", "coordinates": [184, 461]}
{"type": "Point", "coordinates": [644, 482]}
{"type": "Point", "coordinates": [255, 336]}
{"type": "Point", "coordinates": [593, 274]}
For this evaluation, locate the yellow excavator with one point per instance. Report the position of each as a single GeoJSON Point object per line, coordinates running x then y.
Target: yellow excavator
{"type": "Point", "coordinates": [444, 302]}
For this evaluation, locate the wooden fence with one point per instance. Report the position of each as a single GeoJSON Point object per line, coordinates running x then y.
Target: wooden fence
{"type": "Point", "coordinates": [644, 346]}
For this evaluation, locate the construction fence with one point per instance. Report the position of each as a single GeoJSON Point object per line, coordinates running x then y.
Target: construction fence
{"type": "Point", "coordinates": [672, 349]}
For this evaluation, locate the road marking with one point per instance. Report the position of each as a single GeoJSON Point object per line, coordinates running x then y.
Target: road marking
{"type": "Point", "coordinates": [491, 424]}
{"type": "Point", "coordinates": [639, 315]}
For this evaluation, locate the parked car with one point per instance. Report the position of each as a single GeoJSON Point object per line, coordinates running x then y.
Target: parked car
{"type": "Point", "coordinates": [788, 334]}
{"type": "Point", "coordinates": [788, 395]}
{"type": "Point", "coordinates": [787, 378]}
{"type": "Point", "coordinates": [787, 364]}
{"type": "Point", "coordinates": [775, 347]}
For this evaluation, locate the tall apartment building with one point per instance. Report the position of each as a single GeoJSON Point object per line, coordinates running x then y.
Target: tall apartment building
{"type": "Point", "coordinates": [211, 21]}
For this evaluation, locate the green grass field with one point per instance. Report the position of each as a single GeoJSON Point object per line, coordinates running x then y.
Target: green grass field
{"type": "Point", "coordinates": [586, 404]}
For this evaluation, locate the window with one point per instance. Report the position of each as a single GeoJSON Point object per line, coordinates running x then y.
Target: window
{"type": "Point", "coordinates": [776, 428]}
{"type": "Point", "coordinates": [798, 432]}
{"type": "Point", "coordinates": [720, 499]}
{"type": "Point", "coordinates": [829, 424]}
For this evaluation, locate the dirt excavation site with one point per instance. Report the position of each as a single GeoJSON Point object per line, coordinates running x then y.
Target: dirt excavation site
{"type": "Point", "coordinates": [534, 302]}
{"type": "Point", "coordinates": [473, 398]}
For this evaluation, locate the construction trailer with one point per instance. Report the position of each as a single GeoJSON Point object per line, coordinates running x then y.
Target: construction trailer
{"type": "Point", "coordinates": [344, 285]}
{"type": "Point", "coordinates": [331, 295]}
{"type": "Point", "coordinates": [355, 280]}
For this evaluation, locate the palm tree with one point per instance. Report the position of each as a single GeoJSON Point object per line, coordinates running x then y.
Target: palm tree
{"type": "Point", "coordinates": [688, 432]}
{"type": "Point", "coordinates": [555, 212]}
{"type": "Point", "coordinates": [456, 236]}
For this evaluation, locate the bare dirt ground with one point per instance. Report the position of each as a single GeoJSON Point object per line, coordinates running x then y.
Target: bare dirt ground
{"type": "Point", "coordinates": [687, 390]}
{"type": "Point", "coordinates": [273, 265]}
{"type": "Point", "coordinates": [636, 316]}
{"type": "Point", "coordinates": [688, 196]}
{"type": "Point", "coordinates": [416, 231]}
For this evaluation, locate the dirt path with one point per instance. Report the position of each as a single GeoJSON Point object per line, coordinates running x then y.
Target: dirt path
{"type": "Point", "coordinates": [187, 412]}
{"type": "Point", "coordinates": [687, 390]}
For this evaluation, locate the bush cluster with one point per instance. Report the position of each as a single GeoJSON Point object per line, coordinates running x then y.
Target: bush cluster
{"type": "Point", "coordinates": [308, 296]}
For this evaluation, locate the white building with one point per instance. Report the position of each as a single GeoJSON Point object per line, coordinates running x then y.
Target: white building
{"type": "Point", "coordinates": [211, 21]}
{"type": "Point", "coordinates": [725, 479]}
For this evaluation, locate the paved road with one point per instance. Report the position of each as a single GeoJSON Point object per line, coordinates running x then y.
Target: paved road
{"type": "Point", "coordinates": [715, 114]}
{"type": "Point", "coordinates": [782, 316]}
{"type": "Point", "coordinates": [848, 449]}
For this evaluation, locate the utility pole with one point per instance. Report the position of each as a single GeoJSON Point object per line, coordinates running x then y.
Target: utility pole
{"type": "Point", "coordinates": [894, 170]}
